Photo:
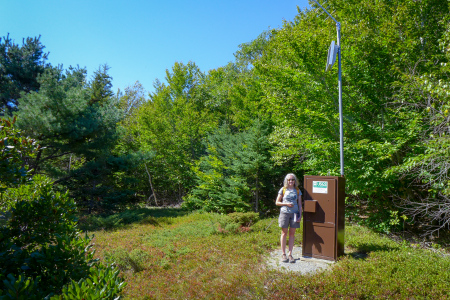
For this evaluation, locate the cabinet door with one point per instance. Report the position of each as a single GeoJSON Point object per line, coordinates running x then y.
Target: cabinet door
{"type": "Point", "coordinates": [319, 217]}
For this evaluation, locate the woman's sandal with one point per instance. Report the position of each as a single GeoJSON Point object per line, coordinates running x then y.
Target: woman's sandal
{"type": "Point", "coordinates": [284, 258]}
{"type": "Point", "coordinates": [291, 259]}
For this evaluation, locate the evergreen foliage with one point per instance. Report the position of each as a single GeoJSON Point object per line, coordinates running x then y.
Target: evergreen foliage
{"type": "Point", "coordinates": [20, 67]}
{"type": "Point", "coordinates": [76, 122]}
{"type": "Point", "coordinates": [234, 175]}
{"type": "Point", "coordinates": [101, 86]}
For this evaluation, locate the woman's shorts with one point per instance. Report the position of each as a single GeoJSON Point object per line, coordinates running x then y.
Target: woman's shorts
{"type": "Point", "coordinates": [286, 220]}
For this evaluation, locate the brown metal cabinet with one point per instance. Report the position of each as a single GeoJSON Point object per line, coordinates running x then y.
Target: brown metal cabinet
{"type": "Point", "coordinates": [324, 217]}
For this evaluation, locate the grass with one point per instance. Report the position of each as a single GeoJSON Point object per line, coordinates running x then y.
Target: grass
{"type": "Point", "coordinates": [170, 254]}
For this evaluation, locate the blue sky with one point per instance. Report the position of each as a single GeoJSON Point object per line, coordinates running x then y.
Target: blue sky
{"type": "Point", "coordinates": [139, 39]}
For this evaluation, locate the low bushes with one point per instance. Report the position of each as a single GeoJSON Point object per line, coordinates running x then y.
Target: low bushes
{"type": "Point", "coordinates": [43, 254]}
{"type": "Point", "coordinates": [191, 258]}
{"type": "Point", "coordinates": [140, 215]}
{"type": "Point", "coordinates": [244, 219]}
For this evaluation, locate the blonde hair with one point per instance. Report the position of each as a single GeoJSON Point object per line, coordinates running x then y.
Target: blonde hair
{"type": "Point", "coordinates": [286, 180]}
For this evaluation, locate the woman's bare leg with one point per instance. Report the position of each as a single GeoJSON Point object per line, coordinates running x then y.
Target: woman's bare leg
{"type": "Point", "coordinates": [291, 239]}
{"type": "Point", "coordinates": [284, 233]}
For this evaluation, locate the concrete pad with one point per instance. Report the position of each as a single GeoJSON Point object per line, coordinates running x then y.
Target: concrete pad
{"type": "Point", "coordinates": [302, 265]}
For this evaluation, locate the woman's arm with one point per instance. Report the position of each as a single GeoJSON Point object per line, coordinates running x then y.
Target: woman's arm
{"type": "Point", "coordinates": [279, 202]}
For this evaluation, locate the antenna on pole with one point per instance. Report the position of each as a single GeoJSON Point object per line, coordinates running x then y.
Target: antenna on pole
{"type": "Point", "coordinates": [331, 58]}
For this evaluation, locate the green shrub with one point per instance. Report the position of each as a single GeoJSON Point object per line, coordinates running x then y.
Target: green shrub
{"type": "Point", "coordinates": [93, 287]}
{"type": "Point", "coordinates": [41, 249]}
{"type": "Point", "coordinates": [125, 260]}
{"type": "Point", "coordinates": [233, 222]}
{"type": "Point", "coordinates": [19, 288]}
{"type": "Point", "coordinates": [231, 227]}
{"type": "Point", "coordinates": [14, 148]}
{"type": "Point", "coordinates": [38, 214]}
{"type": "Point", "coordinates": [244, 218]}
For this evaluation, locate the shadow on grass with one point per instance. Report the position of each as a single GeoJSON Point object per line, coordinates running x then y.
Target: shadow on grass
{"type": "Point", "coordinates": [362, 250]}
{"type": "Point", "coordinates": [153, 216]}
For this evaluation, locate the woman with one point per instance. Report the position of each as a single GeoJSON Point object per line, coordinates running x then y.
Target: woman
{"type": "Point", "coordinates": [290, 200]}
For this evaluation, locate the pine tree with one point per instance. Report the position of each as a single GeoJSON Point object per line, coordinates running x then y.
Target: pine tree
{"type": "Point", "coordinates": [20, 67]}
{"type": "Point", "coordinates": [77, 134]}
{"type": "Point", "coordinates": [235, 172]}
{"type": "Point", "coordinates": [101, 86]}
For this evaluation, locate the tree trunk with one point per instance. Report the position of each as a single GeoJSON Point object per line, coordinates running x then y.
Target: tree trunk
{"type": "Point", "coordinates": [257, 193]}
{"type": "Point", "coordinates": [151, 185]}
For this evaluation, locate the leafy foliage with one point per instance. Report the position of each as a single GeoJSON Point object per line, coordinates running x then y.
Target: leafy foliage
{"type": "Point", "coordinates": [93, 287]}
{"type": "Point", "coordinates": [41, 248]}
{"type": "Point", "coordinates": [386, 48]}
{"type": "Point", "coordinates": [168, 130]}
{"type": "Point", "coordinates": [14, 149]}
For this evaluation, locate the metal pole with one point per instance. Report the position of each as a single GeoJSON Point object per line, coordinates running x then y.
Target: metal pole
{"type": "Point", "coordinates": [341, 122]}
{"type": "Point", "coordinates": [341, 126]}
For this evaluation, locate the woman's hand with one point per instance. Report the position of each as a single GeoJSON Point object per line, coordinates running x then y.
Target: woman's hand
{"type": "Point", "coordinates": [279, 202]}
